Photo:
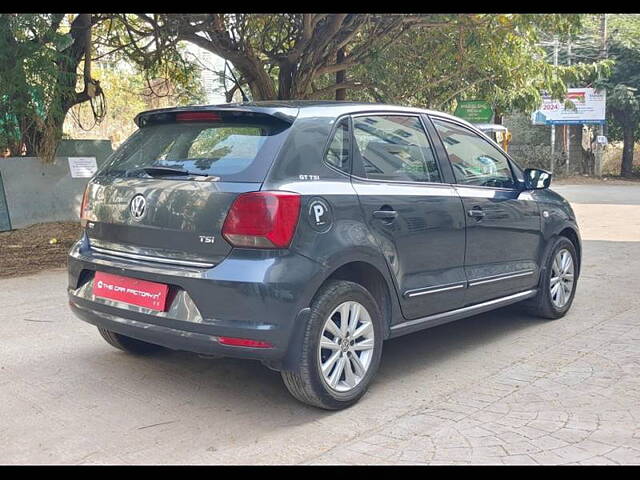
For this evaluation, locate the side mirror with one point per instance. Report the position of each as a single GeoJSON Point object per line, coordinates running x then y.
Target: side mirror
{"type": "Point", "coordinates": [536, 179]}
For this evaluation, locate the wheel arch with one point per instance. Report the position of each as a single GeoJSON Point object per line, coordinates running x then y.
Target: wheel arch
{"type": "Point", "coordinates": [572, 235]}
{"type": "Point", "coordinates": [358, 271]}
{"type": "Point", "coordinates": [371, 278]}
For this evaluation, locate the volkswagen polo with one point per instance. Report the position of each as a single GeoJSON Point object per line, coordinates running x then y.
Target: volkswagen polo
{"type": "Point", "coordinates": [304, 234]}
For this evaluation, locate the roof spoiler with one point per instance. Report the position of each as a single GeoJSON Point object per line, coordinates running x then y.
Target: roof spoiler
{"type": "Point", "coordinates": [209, 113]}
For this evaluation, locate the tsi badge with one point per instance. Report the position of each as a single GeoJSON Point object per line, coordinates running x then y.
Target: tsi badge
{"type": "Point", "coordinates": [319, 214]}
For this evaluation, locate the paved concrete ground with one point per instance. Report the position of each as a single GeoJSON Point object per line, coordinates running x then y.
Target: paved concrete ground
{"type": "Point", "coordinates": [501, 387]}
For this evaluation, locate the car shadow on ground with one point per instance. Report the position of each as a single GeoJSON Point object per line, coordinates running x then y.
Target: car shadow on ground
{"type": "Point", "coordinates": [440, 344]}
{"type": "Point", "coordinates": [244, 386]}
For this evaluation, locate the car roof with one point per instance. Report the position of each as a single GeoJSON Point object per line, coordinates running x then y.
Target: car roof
{"type": "Point", "coordinates": [290, 109]}
{"type": "Point", "coordinates": [337, 105]}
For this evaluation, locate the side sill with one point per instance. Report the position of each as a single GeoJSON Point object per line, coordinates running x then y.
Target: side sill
{"type": "Point", "coordinates": [445, 317]}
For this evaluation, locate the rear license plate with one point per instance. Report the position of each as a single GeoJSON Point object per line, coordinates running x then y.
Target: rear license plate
{"type": "Point", "coordinates": [131, 290]}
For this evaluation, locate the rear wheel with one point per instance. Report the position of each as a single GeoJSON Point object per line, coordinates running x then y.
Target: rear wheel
{"type": "Point", "coordinates": [558, 281]}
{"type": "Point", "coordinates": [341, 349]}
{"type": "Point", "coordinates": [128, 344]}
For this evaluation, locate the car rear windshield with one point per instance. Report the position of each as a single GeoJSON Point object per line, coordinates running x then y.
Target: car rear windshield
{"type": "Point", "coordinates": [235, 150]}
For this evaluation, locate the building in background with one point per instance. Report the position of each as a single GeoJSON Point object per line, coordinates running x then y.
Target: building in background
{"type": "Point", "coordinates": [211, 67]}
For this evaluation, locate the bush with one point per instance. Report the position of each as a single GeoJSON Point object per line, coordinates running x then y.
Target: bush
{"type": "Point", "coordinates": [535, 156]}
{"type": "Point", "coordinates": [612, 159]}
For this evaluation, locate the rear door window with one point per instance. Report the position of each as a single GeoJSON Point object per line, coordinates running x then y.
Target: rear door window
{"type": "Point", "coordinates": [394, 147]}
{"type": "Point", "coordinates": [231, 150]}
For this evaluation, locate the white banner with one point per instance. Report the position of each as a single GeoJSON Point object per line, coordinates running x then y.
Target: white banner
{"type": "Point", "coordinates": [588, 107]}
{"type": "Point", "coordinates": [82, 167]}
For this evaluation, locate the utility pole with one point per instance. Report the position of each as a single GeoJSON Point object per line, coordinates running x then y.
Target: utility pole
{"type": "Point", "coordinates": [567, 131]}
{"type": "Point", "coordinates": [603, 55]}
{"type": "Point", "coordinates": [553, 127]}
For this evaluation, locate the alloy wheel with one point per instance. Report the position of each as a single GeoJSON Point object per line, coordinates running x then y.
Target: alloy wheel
{"type": "Point", "coordinates": [346, 346]}
{"type": "Point", "coordinates": [562, 278]}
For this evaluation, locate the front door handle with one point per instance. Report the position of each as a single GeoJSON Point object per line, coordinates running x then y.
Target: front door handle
{"type": "Point", "coordinates": [477, 213]}
{"type": "Point", "coordinates": [388, 215]}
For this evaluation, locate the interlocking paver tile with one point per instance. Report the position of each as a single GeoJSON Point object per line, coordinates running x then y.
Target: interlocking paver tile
{"type": "Point", "coordinates": [504, 388]}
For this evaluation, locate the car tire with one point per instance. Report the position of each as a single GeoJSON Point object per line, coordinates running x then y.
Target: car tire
{"type": "Point", "coordinates": [307, 382]}
{"type": "Point", "coordinates": [546, 304]}
{"type": "Point", "coordinates": [128, 344]}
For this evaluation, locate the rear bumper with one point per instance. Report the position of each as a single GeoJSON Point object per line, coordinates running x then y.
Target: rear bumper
{"type": "Point", "coordinates": [179, 338]}
{"type": "Point", "coordinates": [245, 296]}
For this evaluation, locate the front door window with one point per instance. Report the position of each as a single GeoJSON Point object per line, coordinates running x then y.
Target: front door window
{"type": "Point", "coordinates": [474, 160]}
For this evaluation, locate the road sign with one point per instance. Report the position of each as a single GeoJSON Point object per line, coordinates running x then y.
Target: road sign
{"type": "Point", "coordinates": [474, 111]}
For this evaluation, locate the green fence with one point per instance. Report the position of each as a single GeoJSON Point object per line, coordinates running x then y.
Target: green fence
{"type": "Point", "coordinates": [33, 192]}
{"type": "Point", "coordinates": [5, 221]}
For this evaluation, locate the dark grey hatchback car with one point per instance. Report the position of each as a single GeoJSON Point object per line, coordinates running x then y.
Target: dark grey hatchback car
{"type": "Point", "coordinates": [304, 234]}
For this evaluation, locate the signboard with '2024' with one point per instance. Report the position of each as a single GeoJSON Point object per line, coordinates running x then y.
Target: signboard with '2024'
{"type": "Point", "coordinates": [584, 106]}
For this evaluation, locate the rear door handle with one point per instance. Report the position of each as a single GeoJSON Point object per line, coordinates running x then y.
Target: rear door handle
{"type": "Point", "coordinates": [477, 213]}
{"type": "Point", "coordinates": [385, 214]}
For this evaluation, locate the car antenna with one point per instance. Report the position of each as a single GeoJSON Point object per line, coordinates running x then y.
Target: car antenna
{"type": "Point", "coordinates": [226, 66]}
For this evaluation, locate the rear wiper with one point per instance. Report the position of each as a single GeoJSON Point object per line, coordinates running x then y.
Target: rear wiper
{"type": "Point", "coordinates": [168, 171]}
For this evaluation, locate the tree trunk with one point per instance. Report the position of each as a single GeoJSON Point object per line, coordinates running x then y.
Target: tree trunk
{"type": "Point", "coordinates": [588, 163]}
{"type": "Point", "coordinates": [261, 88]}
{"type": "Point", "coordinates": [285, 80]}
{"type": "Point", "coordinates": [626, 169]}
{"type": "Point", "coordinates": [260, 83]}
{"type": "Point", "coordinates": [341, 76]}
{"type": "Point", "coordinates": [32, 138]}
{"type": "Point", "coordinates": [65, 95]}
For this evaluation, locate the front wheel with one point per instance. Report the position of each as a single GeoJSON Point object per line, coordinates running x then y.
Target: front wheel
{"type": "Point", "coordinates": [341, 348]}
{"type": "Point", "coordinates": [558, 281]}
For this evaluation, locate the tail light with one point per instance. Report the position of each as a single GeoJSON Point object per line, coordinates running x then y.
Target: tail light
{"type": "Point", "coordinates": [262, 220]}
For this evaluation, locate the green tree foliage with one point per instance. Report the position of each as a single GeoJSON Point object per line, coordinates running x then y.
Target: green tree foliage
{"type": "Point", "coordinates": [424, 60]}
{"type": "Point", "coordinates": [46, 72]}
{"type": "Point", "coordinates": [497, 58]}
{"type": "Point", "coordinates": [277, 56]}
{"type": "Point", "coordinates": [623, 98]}
{"type": "Point", "coordinates": [40, 55]}
{"type": "Point", "coordinates": [427, 60]}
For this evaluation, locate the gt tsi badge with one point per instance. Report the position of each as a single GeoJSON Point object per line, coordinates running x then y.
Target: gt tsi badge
{"type": "Point", "coordinates": [319, 215]}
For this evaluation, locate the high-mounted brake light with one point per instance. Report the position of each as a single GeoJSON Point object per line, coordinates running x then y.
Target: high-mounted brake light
{"type": "Point", "coordinates": [198, 117]}
{"type": "Point", "coordinates": [262, 220]}
{"type": "Point", "coordinates": [243, 342]}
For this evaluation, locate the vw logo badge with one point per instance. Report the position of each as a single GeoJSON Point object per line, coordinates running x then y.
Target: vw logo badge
{"type": "Point", "coordinates": [138, 207]}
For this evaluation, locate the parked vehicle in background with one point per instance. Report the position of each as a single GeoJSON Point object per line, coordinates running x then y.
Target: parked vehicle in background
{"type": "Point", "coordinates": [304, 234]}
{"type": "Point", "coordinates": [496, 132]}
